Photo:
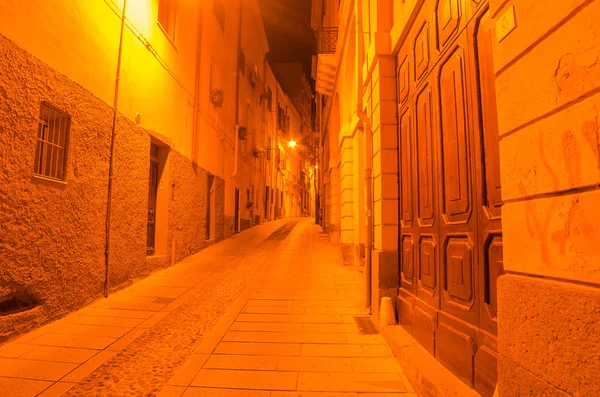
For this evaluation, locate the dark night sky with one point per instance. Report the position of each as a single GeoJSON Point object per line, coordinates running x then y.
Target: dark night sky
{"type": "Point", "coordinates": [291, 38]}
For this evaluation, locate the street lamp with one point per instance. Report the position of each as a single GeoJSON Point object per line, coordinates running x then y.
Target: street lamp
{"type": "Point", "coordinates": [292, 143]}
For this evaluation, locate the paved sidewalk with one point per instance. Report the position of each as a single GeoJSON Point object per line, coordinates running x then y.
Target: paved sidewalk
{"type": "Point", "coordinates": [294, 332]}
{"type": "Point", "coordinates": [132, 342]}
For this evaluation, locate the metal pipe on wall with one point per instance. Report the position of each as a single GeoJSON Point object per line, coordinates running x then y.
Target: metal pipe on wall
{"type": "Point", "coordinates": [112, 151]}
{"type": "Point", "coordinates": [368, 151]}
{"type": "Point", "coordinates": [237, 93]}
{"type": "Point", "coordinates": [196, 121]}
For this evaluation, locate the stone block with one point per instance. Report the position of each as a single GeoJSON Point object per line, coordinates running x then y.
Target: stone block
{"type": "Point", "coordinates": [385, 186]}
{"type": "Point", "coordinates": [385, 137]}
{"type": "Point", "coordinates": [385, 212]}
{"type": "Point", "coordinates": [560, 69]}
{"type": "Point", "coordinates": [554, 236]}
{"type": "Point", "coordinates": [385, 237]}
{"type": "Point", "coordinates": [562, 152]}
{"type": "Point", "coordinates": [514, 380]}
{"type": "Point", "coordinates": [549, 329]}
{"type": "Point", "coordinates": [385, 161]}
{"type": "Point", "coordinates": [534, 21]}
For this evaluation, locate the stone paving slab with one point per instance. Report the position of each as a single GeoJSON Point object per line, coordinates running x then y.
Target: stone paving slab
{"type": "Point", "coordinates": [99, 345]}
{"type": "Point", "coordinates": [234, 320]}
{"type": "Point", "coordinates": [294, 334]}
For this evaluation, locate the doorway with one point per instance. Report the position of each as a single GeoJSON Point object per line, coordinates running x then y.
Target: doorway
{"type": "Point", "coordinates": [152, 195]}
{"type": "Point", "coordinates": [236, 218]}
{"type": "Point", "coordinates": [267, 207]}
{"type": "Point", "coordinates": [450, 248]}
{"type": "Point", "coordinates": [211, 207]}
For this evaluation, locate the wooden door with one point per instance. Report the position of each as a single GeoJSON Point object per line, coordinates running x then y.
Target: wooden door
{"type": "Point", "coordinates": [450, 234]}
{"type": "Point", "coordinates": [236, 218]}
{"type": "Point", "coordinates": [152, 193]}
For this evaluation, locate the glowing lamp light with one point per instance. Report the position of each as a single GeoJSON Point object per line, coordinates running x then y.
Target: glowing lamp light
{"type": "Point", "coordinates": [292, 143]}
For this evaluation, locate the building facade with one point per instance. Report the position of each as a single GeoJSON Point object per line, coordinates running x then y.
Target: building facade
{"type": "Point", "coordinates": [130, 138]}
{"type": "Point", "coordinates": [460, 164]}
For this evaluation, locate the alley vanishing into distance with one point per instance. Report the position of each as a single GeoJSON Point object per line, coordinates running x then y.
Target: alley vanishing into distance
{"type": "Point", "coordinates": [271, 312]}
{"type": "Point", "coordinates": [300, 198]}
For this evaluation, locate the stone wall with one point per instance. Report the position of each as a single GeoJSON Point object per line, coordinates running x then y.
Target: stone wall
{"type": "Point", "coordinates": [380, 103]}
{"type": "Point", "coordinates": [547, 84]}
{"type": "Point", "coordinates": [52, 234]}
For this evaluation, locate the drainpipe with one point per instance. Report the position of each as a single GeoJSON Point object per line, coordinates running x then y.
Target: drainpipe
{"type": "Point", "coordinates": [196, 128]}
{"type": "Point", "coordinates": [237, 94]}
{"type": "Point", "coordinates": [276, 208]}
{"type": "Point", "coordinates": [368, 152]}
{"type": "Point", "coordinates": [112, 153]}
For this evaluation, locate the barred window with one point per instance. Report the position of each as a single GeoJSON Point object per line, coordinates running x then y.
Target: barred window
{"type": "Point", "coordinates": [52, 141]}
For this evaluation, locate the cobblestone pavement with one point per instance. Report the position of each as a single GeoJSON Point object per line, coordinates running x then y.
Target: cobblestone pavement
{"type": "Point", "coordinates": [93, 353]}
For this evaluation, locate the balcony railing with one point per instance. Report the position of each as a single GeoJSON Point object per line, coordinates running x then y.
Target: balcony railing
{"type": "Point", "coordinates": [327, 40]}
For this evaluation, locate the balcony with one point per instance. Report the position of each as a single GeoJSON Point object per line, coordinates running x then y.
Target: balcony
{"type": "Point", "coordinates": [326, 60]}
{"type": "Point", "coordinates": [327, 40]}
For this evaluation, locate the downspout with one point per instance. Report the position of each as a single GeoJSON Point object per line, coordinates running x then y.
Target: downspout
{"type": "Point", "coordinates": [368, 152]}
{"type": "Point", "coordinates": [112, 152]}
{"type": "Point", "coordinates": [237, 93]}
{"type": "Point", "coordinates": [196, 128]}
{"type": "Point", "coordinates": [277, 207]}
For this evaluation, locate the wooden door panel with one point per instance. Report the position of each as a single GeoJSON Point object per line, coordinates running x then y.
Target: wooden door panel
{"type": "Point", "coordinates": [456, 337]}
{"type": "Point", "coordinates": [403, 74]}
{"type": "Point", "coordinates": [406, 168]}
{"type": "Point", "coordinates": [447, 16]}
{"type": "Point", "coordinates": [458, 259]}
{"type": "Point", "coordinates": [426, 192]}
{"type": "Point", "coordinates": [488, 117]}
{"type": "Point", "coordinates": [455, 147]}
{"type": "Point", "coordinates": [422, 52]}
{"type": "Point", "coordinates": [425, 159]}
{"type": "Point", "coordinates": [408, 261]}
{"type": "Point", "coordinates": [428, 264]}
{"type": "Point", "coordinates": [492, 269]}
{"type": "Point", "coordinates": [486, 371]}
{"type": "Point", "coordinates": [456, 351]}
{"type": "Point", "coordinates": [489, 201]}
{"type": "Point", "coordinates": [424, 327]}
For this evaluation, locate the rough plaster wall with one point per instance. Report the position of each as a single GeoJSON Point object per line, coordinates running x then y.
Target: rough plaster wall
{"type": "Point", "coordinates": [229, 224]}
{"type": "Point", "coordinates": [220, 209]}
{"type": "Point", "coordinates": [129, 204]}
{"type": "Point", "coordinates": [51, 235]}
{"type": "Point", "coordinates": [188, 205]}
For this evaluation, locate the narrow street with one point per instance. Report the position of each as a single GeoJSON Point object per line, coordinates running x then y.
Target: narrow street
{"type": "Point", "coordinates": [270, 312]}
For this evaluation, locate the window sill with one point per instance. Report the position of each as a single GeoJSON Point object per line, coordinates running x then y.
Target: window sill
{"type": "Point", "coordinates": [155, 257]}
{"type": "Point", "coordinates": [42, 180]}
{"type": "Point", "coordinates": [167, 35]}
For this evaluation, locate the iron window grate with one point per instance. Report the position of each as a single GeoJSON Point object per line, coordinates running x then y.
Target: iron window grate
{"type": "Point", "coordinates": [52, 141]}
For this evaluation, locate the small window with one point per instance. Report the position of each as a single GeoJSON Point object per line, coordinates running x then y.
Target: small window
{"type": "Point", "coordinates": [269, 99]}
{"type": "Point", "coordinates": [242, 61]}
{"type": "Point", "coordinates": [219, 11]}
{"type": "Point", "coordinates": [166, 16]}
{"type": "Point", "coordinates": [52, 140]}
